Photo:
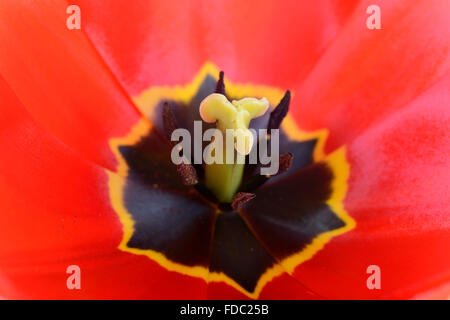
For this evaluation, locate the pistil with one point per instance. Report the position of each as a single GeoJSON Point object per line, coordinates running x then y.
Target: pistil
{"type": "Point", "coordinates": [232, 119]}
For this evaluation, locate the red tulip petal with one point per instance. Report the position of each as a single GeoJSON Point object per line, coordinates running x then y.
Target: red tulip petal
{"type": "Point", "coordinates": [156, 42]}
{"type": "Point", "coordinates": [366, 75]}
{"type": "Point", "coordinates": [221, 290]}
{"type": "Point", "coordinates": [440, 293]}
{"type": "Point", "coordinates": [61, 79]}
{"type": "Point", "coordinates": [280, 287]}
{"type": "Point", "coordinates": [56, 212]}
{"type": "Point", "coordinates": [287, 287]}
{"type": "Point", "coordinates": [398, 195]}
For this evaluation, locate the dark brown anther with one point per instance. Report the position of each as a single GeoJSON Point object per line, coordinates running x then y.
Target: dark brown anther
{"type": "Point", "coordinates": [240, 198]}
{"type": "Point", "coordinates": [278, 114]}
{"type": "Point", "coordinates": [188, 174]}
{"type": "Point", "coordinates": [220, 87]}
{"type": "Point", "coordinates": [285, 162]}
{"type": "Point", "coordinates": [186, 171]}
{"type": "Point", "coordinates": [169, 122]}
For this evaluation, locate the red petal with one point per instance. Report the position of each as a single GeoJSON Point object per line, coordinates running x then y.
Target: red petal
{"type": "Point", "coordinates": [398, 195]}
{"type": "Point", "coordinates": [55, 212]}
{"type": "Point", "coordinates": [280, 287]}
{"type": "Point", "coordinates": [155, 42]}
{"type": "Point", "coordinates": [61, 79]}
{"type": "Point", "coordinates": [286, 287]}
{"type": "Point", "coordinates": [440, 293]}
{"type": "Point", "coordinates": [366, 75]}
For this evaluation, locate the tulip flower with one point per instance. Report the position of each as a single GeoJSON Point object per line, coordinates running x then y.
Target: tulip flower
{"type": "Point", "coordinates": [359, 210]}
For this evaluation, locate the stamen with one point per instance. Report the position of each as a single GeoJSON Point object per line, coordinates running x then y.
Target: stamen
{"type": "Point", "coordinates": [257, 180]}
{"type": "Point", "coordinates": [285, 162]}
{"type": "Point", "coordinates": [169, 121]}
{"type": "Point", "coordinates": [278, 114]}
{"type": "Point", "coordinates": [186, 171]}
{"type": "Point", "coordinates": [241, 198]}
{"type": "Point", "coordinates": [220, 87]}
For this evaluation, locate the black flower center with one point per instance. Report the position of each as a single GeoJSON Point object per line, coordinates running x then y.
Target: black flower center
{"type": "Point", "coordinates": [289, 218]}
